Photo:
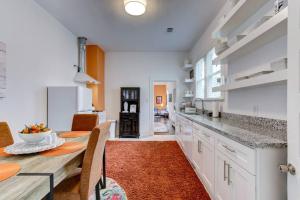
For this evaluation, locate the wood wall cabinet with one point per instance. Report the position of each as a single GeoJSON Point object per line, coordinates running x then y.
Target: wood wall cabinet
{"type": "Point", "coordinates": [130, 120]}
{"type": "Point", "coordinates": [95, 61]}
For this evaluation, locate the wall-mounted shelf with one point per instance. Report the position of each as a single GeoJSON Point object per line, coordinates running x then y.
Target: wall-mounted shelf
{"type": "Point", "coordinates": [267, 32]}
{"type": "Point", "coordinates": [188, 96]}
{"type": "Point", "coordinates": [237, 15]}
{"type": "Point", "coordinates": [188, 67]}
{"type": "Point", "coordinates": [275, 77]}
{"type": "Point", "coordinates": [189, 81]}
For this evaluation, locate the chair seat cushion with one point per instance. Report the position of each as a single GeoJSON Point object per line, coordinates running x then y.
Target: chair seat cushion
{"type": "Point", "coordinates": [69, 189]}
{"type": "Point", "coordinates": [113, 191]}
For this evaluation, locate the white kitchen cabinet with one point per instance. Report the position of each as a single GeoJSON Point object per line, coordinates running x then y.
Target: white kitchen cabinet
{"type": "Point", "coordinates": [207, 172]}
{"type": "Point", "coordinates": [188, 138]}
{"type": "Point", "coordinates": [232, 181]}
{"type": "Point", "coordinates": [203, 159]}
{"type": "Point", "coordinates": [197, 156]}
{"type": "Point", "coordinates": [230, 170]}
{"type": "Point", "coordinates": [185, 136]}
{"type": "Point", "coordinates": [178, 130]}
{"type": "Point", "coordinates": [222, 190]}
{"type": "Point", "coordinates": [242, 183]}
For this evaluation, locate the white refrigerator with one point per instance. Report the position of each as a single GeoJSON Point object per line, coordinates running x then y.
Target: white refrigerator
{"type": "Point", "coordinates": [64, 102]}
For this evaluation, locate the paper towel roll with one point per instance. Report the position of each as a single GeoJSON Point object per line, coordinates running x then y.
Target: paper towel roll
{"type": "Point", "coordinates": [215, 109]}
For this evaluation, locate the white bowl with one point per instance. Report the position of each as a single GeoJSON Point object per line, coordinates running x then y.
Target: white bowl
{"type": "Point", "coordinates": [34, 137]}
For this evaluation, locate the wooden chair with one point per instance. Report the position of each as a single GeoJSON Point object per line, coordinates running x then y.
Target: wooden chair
{"type": "Point", "coordinates": [6, 138]}
{"type": "Point", "coordinates": [80, 187]}
{"type": "Point", "coordinates": [85, 122]}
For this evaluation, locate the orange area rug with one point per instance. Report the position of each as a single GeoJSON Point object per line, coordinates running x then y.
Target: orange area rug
{"type": "Point", "coordinates": [8, 170]}
{"type": "Point", "coordinates": [3, 154]}
{"type": "Point", "coordinates": [66, 148]}
{"type": "Point", "coordinates": [153, 170]}
{"type": "Point", "coordinates": [74, 134]}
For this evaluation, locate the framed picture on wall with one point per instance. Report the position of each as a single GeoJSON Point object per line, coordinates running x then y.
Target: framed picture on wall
{"type": "Point", "coordinates": [133, 108]}
{"type": "Point", "coordinates": [159, 100]}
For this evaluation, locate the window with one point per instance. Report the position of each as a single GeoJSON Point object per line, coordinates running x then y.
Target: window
{"type": "Point", "coordinates": [200, 78]}
{"type": "Point", "coordinates": [207, 77]}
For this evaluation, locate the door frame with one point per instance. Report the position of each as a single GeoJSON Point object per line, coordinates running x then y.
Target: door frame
{"type": "Point", "coordinates": [151, 101]}
{"type": "Point", "coordinates": [293, 107]}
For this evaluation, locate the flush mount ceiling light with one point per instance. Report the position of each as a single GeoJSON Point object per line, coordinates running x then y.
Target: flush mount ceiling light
{"type": "Point", "coordinates": [135, 7]}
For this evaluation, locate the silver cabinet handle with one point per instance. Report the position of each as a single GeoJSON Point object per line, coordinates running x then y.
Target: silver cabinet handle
{"type": "Point", "coordinates": [229, 179]}
{"type": "Point", "coordinates": [199, 146]}
{"type": "Point", "coordinates": [225, 177]}
{"type": "Point", "coordinates": [229, 149]}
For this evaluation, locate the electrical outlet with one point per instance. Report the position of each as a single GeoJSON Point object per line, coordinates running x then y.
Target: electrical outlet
{"type": "Point", "coordinates": [254, 110]}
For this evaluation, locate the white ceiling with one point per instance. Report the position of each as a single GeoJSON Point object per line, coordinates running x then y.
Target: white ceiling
{"type": "Point", "coordinates": [104, 22]}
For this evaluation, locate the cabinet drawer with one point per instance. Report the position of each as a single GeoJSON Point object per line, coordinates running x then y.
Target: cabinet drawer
{"type": "Point", "coordinates": [240, 154]}
{"type": "Point", "coordinates": [205, 134]}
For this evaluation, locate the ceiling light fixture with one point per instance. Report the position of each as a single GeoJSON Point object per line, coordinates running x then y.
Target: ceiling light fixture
{"type": "Point", "coordinates": [135, 7]}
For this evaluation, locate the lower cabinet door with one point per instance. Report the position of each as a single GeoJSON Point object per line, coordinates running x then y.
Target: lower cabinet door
{"type": "Point", "coordinates": [197, 155]}
{"type": "Point", "coordinates": [189, 140]}
{"type": "Point", "coordinates": [222, 188]}
{"type": "Point", "coordinates": [242, 183]}
{"type": "Point", "coordinates": [208, 167]}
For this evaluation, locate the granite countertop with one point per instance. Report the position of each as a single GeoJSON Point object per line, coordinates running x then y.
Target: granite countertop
{"type": "Point", "coordinates": [245, 134]}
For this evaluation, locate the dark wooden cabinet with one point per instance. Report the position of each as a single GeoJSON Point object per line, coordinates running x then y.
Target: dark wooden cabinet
{"type": "Point", "coordinates": [130, 112]}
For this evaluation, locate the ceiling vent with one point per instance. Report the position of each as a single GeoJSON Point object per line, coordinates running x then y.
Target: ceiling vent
{"type": "Point", "coordinates": [170, 30]}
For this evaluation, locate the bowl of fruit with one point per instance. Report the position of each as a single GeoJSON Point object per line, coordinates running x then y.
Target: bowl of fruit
{"type": "Point", "coordinates": [34, 133]}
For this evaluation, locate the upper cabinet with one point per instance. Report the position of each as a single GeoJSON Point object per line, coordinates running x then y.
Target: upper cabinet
{"type": "Point", "coordinates": [95, 61]}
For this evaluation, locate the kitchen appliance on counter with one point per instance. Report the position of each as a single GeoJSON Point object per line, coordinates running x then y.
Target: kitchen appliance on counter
{"type": "Point", "coordinates": [64, 102]}
{"type": "Point", "coordinates": [190, 110]}
{"type": "Point", "coordinates": [185, 104]}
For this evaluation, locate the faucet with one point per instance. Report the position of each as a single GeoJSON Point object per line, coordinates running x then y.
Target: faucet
{"type": "Point", "coordinates": [202, 106]}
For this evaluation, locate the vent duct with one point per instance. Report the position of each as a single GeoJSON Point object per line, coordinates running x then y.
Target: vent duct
{"type": "Point", "coordinates": [81, 75]}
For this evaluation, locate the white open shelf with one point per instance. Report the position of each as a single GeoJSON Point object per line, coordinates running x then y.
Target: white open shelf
{"type": "Point", "coordinates": [274, 77]}
{"type": "Point", "coordinates": [188, 66]}
{"type": "Point", "coordinates": [188, 96]}
{"type": "Point", "coordinates": [189, 81]}
{"type": "Point", "coordinates": [237, 15]}
{"type": "Point", "coordinates": [267, 32]}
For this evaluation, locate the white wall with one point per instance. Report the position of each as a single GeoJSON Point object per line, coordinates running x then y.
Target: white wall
{"type": "Point", "coordinates": [140, 69]}
{"type": "Point", "coordinates": [205, 42]}
{"type": "Point", "coordinates": [270, 100]}
{"type": "Point", "coordinates": [40, 52]}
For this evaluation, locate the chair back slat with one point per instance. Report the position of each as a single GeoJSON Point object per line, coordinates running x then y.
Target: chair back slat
{"type": "Point", "coordinates": [85, 122]}
{"type": "Point", "coordinates": [6, 138]}
{"type": "Point", "coordinates": [93, 160]}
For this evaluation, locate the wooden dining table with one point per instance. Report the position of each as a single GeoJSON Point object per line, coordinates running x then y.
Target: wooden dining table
{"type": "Point", "coordinates": [33, 180]}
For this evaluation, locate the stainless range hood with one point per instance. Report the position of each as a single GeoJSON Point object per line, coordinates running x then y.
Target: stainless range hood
{"type": "Point", "coordinates": [81, 76]}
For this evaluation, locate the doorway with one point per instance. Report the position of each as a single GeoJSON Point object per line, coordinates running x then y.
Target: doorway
{"type": "Point", "coordinates": [164, 97]}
